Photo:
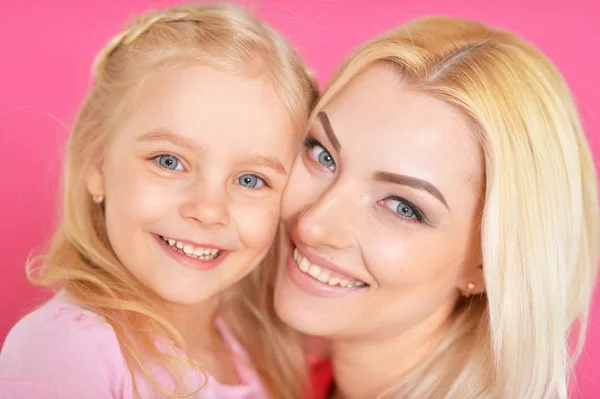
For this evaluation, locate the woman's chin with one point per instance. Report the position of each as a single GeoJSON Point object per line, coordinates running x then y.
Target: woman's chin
{"type": "Point", "coordinates": [303, 320]}
{"type": "Point", "coordinates": [300, 312]}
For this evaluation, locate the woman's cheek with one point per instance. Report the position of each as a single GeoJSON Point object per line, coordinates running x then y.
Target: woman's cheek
{"type": "Point", "coordinates": [301, 191]}
{"type": "Point", "coordinates": [257, 222]}
{"type": "Point", "coordinates": [397, 261]}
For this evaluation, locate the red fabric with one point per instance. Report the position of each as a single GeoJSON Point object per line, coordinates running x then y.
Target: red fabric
{"type": "Point", "coordinates": [321, 378]}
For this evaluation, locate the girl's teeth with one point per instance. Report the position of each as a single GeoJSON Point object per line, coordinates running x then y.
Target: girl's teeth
{"type": "Point", "coordinates": [199, 251]}
{"type": "Point", "coordinates": [323, 275]}
{"type": "Point", "coordinates": [204, 254]}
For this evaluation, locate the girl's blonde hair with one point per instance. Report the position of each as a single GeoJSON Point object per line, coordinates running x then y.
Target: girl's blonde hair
{"type": "Point", "coordinates": [540, 223]}
{"type": "Point", "coordinates": [80, 259]}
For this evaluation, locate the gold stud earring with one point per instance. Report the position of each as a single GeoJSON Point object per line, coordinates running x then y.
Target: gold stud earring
{"type": "Point", "coordinates": [470, 288]}
{"type": "Point", "coordinates": [98, 199]}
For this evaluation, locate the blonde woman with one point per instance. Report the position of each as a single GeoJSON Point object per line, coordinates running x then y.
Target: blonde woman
{"type": "Point", "coordinates": [174, 173]}
{"type": "Point", "coordinates": [443, 219]}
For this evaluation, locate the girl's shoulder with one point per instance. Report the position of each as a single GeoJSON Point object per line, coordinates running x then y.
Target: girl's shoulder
{"type": "Point", "coordinates": [63, 346]}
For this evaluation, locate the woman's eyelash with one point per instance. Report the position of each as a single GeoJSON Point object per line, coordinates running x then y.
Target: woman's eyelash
{"type": "Point", "coordinates": [310, 142]}
{"type": "Point", "coordinates": [418, 214]}
{"type": "Point", "coordinates": [323, 157]}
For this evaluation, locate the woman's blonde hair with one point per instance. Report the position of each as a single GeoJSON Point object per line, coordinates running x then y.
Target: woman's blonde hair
{"type": "Point", "coordinates": [540, 222]}
{"type": "Point", "coordinates": [80, 259]}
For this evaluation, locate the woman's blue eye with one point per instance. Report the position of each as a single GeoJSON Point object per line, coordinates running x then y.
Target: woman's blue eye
{"type": "Point", "coordinates": [403, 208]}
{"type": "Point", "coordinates": [169, 162]}
{"type": "Point", "coordinates": [320, 154]}
{"type": "Point", "coordinates": [250, 181]}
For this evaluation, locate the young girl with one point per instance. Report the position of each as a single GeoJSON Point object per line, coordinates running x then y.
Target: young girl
{"type": "Point", "coordinates": [173, 179]}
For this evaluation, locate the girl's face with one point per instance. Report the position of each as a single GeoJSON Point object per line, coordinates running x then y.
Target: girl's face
{"type": "Point", "coordinates": [382, 207]}
{"type": "Point", "coordinates": [193, 181]}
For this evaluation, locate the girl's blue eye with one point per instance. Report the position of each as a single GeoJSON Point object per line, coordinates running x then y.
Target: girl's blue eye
{"type": "Point", "coordinates": [250, 181]}
{"type": "Point", "coordinates": [320, 154]}
{"type": "Point", "coordinates": [169, 162]}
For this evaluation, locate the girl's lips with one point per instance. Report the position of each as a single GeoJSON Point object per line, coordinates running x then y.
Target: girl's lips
{"type": "Point", "coordinates": [188, 261]}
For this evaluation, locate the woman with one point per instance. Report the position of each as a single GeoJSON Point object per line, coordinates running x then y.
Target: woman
{"type": "Point", "coordinates": [443, 219]}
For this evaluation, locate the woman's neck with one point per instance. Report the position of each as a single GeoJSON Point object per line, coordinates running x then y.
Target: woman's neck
{"type": "Point", "coordinates": [366, 367]}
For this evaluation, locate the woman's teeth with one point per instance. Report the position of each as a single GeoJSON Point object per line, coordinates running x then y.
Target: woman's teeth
{"type": "Point", "coordinates": [323, 275]}
{"type": "Point", "coordinates": [205, 254]}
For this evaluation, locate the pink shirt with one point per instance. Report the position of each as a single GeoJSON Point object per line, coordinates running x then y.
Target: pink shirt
{"type": "Point", "coordinates": [62, 351]}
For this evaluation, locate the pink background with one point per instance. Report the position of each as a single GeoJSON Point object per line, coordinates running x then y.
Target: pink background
{"type": "Point", "coordinates": [47, 48]}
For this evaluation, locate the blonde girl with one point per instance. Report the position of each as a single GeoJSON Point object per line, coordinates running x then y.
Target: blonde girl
{"type": "Point", "coordinates": [174, 173]}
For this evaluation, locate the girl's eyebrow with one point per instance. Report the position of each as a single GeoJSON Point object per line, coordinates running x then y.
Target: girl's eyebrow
{"type": "Point", "coordinates": [261, 160]}
{"type": "Point", "coordinates": [165, 135]}
{"type": "Point", "coordinates": [162, 135]}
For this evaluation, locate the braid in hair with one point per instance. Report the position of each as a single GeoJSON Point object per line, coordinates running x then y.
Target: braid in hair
{"type": "Point", "coordinates": [139, 27]}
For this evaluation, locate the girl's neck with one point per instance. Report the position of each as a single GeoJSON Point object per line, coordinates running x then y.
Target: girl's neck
{"type": "Point", "coordinates": [196, 324]}
{"type": "Point", "coordinates": [366, 367]}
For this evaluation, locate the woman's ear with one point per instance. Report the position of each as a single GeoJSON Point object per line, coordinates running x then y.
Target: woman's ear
{"type": "Point", "coordinates": [473, 282]}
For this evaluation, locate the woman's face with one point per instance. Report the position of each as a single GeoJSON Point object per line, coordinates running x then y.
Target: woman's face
{"type": "Point", "coordinates": [383, 209]}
